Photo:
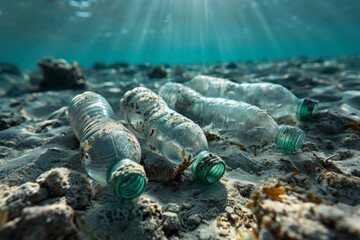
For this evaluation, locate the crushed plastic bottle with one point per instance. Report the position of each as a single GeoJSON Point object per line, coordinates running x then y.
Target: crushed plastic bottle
{"type": "Point", "coordinates": [277, 100]}
{"type": "Point", "coordinates": [175, 137]}
{"type": "Point", "coordinates": [110, 153]}
{"type": "Point", "coordinates": [240, 122]}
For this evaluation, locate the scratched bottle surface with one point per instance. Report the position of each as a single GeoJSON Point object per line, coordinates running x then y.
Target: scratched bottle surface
{"type": "Point", "coordinates": [110, 153]}
{"type": "Point", "coordinates": [175, 137]}
{"type": "Point", "coordinates": [238, 121]}
{"type": "Point", "coordinates": [277, 100]}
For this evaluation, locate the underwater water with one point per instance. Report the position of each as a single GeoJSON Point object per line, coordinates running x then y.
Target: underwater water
{"type": "Point", "coordinates": [176, 31]}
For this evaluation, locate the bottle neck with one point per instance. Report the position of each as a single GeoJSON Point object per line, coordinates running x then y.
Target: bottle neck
{"type": "Point", "coordinates": [289, 138]}
{"type": "Point", "coordinates": [307, 107]}
{"type": "Point", "coordinates": [208, 167]}
{"type": "Point", "coordinates": [126, 179]}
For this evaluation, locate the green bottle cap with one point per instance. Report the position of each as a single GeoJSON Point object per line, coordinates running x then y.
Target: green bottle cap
{"type": "Point", "coordinates": [208, 167]}
{"type": "Point", "coordinates": [289, 137]}
{"type": "Point", "coordinates": [126, 179]}
{"type": "Point", "coordinates": [307, 107]}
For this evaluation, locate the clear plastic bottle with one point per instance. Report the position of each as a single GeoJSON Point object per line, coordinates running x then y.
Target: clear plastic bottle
{"type": "Point", "coordinates": [239, 121]}
{"type": "Point", "coordinates": [110, 153]}
{"type": "Point", "coordinates": [277, 100]}
{"type": "Point", "coordinates": [175, 137]}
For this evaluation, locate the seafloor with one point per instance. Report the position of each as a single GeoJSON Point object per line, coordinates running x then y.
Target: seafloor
{"type": "Point", "coordinates": [266, 193]}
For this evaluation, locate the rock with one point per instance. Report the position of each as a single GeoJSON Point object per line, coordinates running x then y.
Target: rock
{"type": "Point", "coordinates": [244, 189]}
{"type": "Point", "coordinates": [186, 206]}
{"type": "Point", "coordinates": [231, 65]}
{"type": "Point", "coordinates": [10, 119]}
{"type": "Point", "coordinates": [170, 223]}
{"type": "Point", "coordinates": [194, 220]}
{"type": "Point", "coordinates": [99, 66]}
{"type": "Point", "coordinates": [74, 186]}
{"type": "Point", "coordinates": [328, 144]}
{"type": "Point", "coordinates": [178, 71]}
{"type": "Point", "coordinates": [15, 199]}
{"type": "Point", "coordinates": [59, 74]}
{"type": "Point", "coordinates": [157, 72]}
{"type": "Point", "coordinates": [41, 222]}
{"type": "Point", "coordinates": [344, 153]}
{"type": "Point", "coordinates": [10, 69]}
{"type": "Point", "coordinates": [4, 191]}
{"type": "Point", "coordinates": [172, 207]}
{"type": "Point", "coordinates": [329, 69]}
{"type": "Point", "coordinates": [350, 140]}
{"type": "Point", "coordinates": [229, 210]}
{"type": "Point", "coordinates": [123, 220]}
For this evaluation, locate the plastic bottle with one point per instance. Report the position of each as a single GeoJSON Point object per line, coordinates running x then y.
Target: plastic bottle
{"type": "Point", "coordinates": [277, 100]}
{"type": "Point", "coordinates": [239, 121]}
{"type": "Point", "coordinates": [175, 137]}
{"type": "Point", "coordinates": [110, 153]}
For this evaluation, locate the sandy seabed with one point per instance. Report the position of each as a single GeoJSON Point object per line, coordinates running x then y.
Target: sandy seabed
{"type": "Point", "coordinates": [266, 193]}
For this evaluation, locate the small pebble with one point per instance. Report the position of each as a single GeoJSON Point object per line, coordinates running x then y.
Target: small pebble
{"type": "Point", "coordinates": [187, 205]}
{"type": "Point", "coordinates": [170, 222]}
{"type": "Point", "coordinates": [172, 207]}
{"type": "Point", "coordinates": [194, 220]}
{"type": "Point", "coordinates": [157, 72]}
{"type": "Point", "coordinates": [229, 210]}
{"type": "Point", "coordinates": [329, 144]}
{"type": "Point", "coordinates": [343, 153]}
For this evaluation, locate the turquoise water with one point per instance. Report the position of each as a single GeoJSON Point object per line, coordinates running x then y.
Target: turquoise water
{"type": "Point", "coordinates": [176, 31]}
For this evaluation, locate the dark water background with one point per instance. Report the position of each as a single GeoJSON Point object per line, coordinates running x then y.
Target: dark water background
{"type": "Point", "coordinates": [176, 31]}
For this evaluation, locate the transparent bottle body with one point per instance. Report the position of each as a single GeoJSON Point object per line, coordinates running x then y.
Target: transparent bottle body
{"type": "Point", "coordinates": [177, 138]}
{"type": "Point", "coordinates": [85, 108]}
{"type": "Point", "coordinates": [110, 153]}
{"type": "Point", "coordinates": [105, 143]}
{"type": "Point", "coordinates": [237, 121]}
{"type": "Point", "coordinates": [171, 134]}
{"type": "Point", "coordinates": [277, 100]}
